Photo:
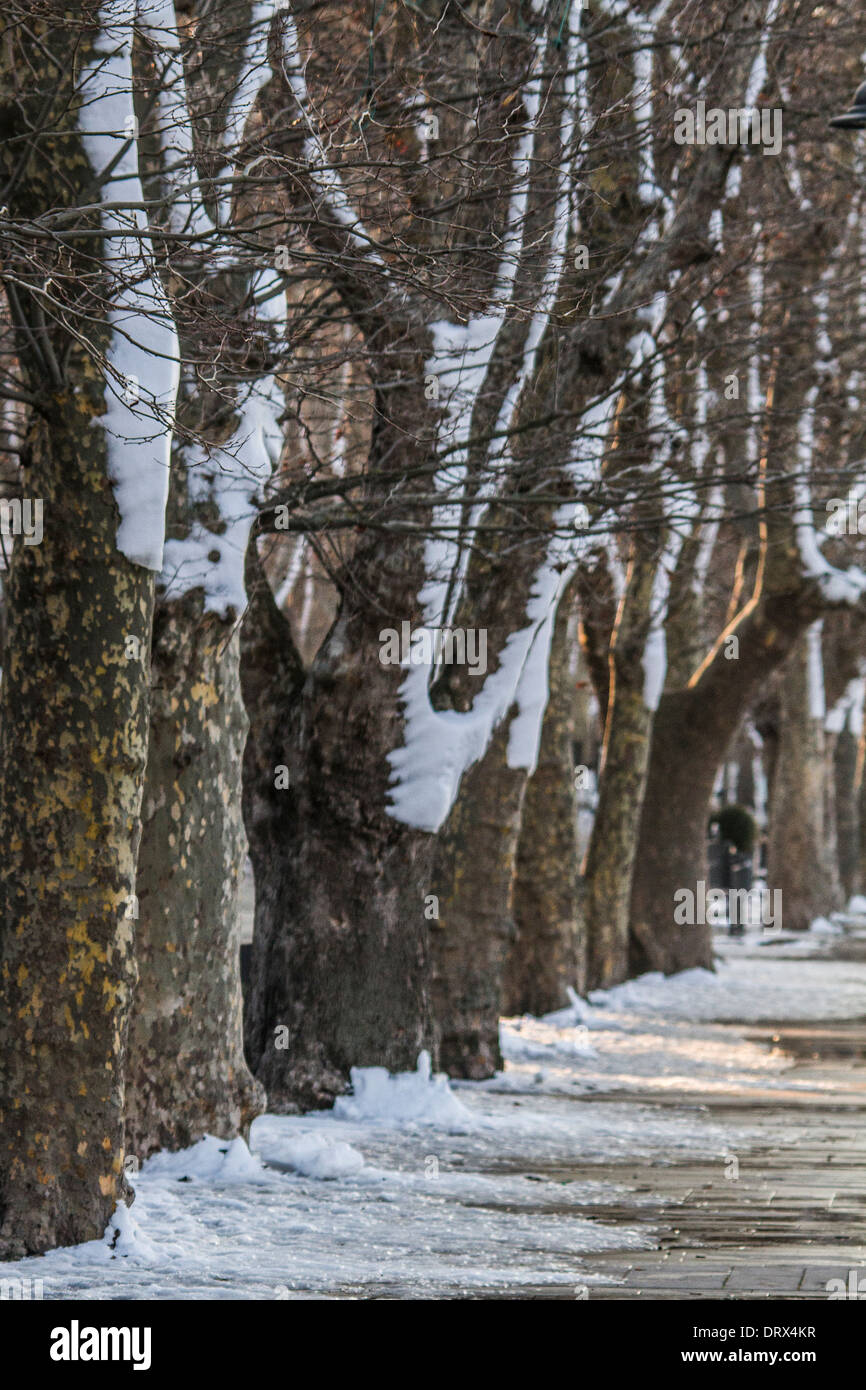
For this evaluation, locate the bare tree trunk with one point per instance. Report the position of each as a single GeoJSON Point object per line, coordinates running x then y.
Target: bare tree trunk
{"type": "Point", "coordinates": [548, 954]}
{"type": "Point", "coordinates": [473, 880]}
{"type": "Point", "coordinates": [608, 870]}
{"type": "Point", "coordinates": [692, 731]}
{"type": "Point", "coordinates": [845, 684]}
{"type": "Point", "coordinates": [671, 851]}
{"type": "Point", "coordinates": [476, 852]}
{"type": "Point", "coordinates": [845, 772]}
{"type": "Point", "coordinates": [186, 1074]}
{"type": "Point", "coordinates": [801, 852]}
{"type": "Point", "coordinates": [73, 742]}
{"type": "Point", "coordinates": [340, 965]}
{"type": "Point", "coordinates": [74, 694]}
{"type": "Point", "coordinates": [860, 794]}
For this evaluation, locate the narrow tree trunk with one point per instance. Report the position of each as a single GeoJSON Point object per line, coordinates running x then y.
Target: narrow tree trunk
{"type": "Point", "coordinates": [548, 954]}
{"type": "Point", "coordinates": [742, 758]}
{"type": "Point", "coordinates": [801, 848]}
{"type": "Point", "coordinates": [830, 840]}
{"type": "Point", "coordinates": [845, 775]}
{"type": "Point", "coordinates": [608, 870]}
{"type": "Point", "coordinates": [186, 1075]}
{"type": "Point", "coordinates": [73, 743]}
{"type": "Point", "coordinates": [860, 794]}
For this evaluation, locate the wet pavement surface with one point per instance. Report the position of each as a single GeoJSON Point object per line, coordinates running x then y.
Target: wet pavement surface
{"type": "Point", "coordinates": [778, 1220]}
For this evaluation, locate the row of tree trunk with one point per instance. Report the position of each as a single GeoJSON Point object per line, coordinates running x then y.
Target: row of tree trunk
{"type": "Point", "coordinates": [122, 779]}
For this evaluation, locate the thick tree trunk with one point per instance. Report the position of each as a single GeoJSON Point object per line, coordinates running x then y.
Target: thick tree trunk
{"type": "Point", "coordinates": [73, 744]}
{"type": "Point", "coordinates": [340, 970]}
{"type": "Point", "coordinates": [548, 954]}
{"type": "Point", "coordinates": [73, 702]}
{"type": "Point", "coordinates": [801, 849]}
{"type": "Point", "coordinates": [692, 732]}
{"type": "Point", "coordinates": [473, 880]}
{"type": "Point", "coordinates": [186, 1074]}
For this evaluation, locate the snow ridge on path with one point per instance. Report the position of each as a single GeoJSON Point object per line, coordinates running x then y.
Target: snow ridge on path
{"type": "Point", "coordinates": [746, 988]}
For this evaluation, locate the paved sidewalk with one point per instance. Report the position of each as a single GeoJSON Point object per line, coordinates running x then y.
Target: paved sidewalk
{"type": "Point", "coordinates": [782, 1220]}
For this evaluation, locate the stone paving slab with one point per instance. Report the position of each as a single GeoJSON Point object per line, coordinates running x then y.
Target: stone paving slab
{"type": "Point", "coordinates": [794, 1218]}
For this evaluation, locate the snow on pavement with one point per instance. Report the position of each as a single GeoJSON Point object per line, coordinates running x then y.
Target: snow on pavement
{"type": "Point", "coordinates": [658, 1034]}
{"type": "Point", "coordinates": [415, 1185]}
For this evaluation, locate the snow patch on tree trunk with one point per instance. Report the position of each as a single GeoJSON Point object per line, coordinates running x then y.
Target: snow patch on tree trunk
{"type": "Point", "coordinates": [142, 358]}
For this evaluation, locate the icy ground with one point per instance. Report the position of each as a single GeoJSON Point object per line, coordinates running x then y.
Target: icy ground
{"type": "Point", "coordinates": [415, 1187]}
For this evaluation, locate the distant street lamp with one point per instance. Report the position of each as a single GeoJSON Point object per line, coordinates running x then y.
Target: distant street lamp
{"type": "Point", "coordinates": [855, 117]}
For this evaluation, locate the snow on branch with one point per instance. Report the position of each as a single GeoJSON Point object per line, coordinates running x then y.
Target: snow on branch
{"type": "Point", "coordinates": [848, 709]}
{"type": "Point", "coordinates": [142, 358]}
{"type": "Point", "coordinates": [837, 587]}
{"type": "Point", "coordinates": [644, 29]}
{"type": "Point", "coordinates": [754, 85]}
{"type": "Point", "coordinates": [701, 449]}
{"type": "Point", "coordinates": [441, 745]}
{"type": "Point", "coordinates": [255, 71]}
{"type": "Point", "coordinates": [231, 477]}
{"type": "Point", "coordinates": [564, 554]}
{"type": "Point", "coordinates": [463, 353]}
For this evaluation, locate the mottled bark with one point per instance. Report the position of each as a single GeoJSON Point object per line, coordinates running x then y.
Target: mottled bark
{"type": "Point", "coordinates": [186, 1074]}
{"type": "Point", "coordinates": [73, 743]}
{"type": "Point", "coordinates": [548, 953]}
{"type": "Point", "coordinates": [801, 848]}
{"type": "Point", "coordinates": [73, 704]}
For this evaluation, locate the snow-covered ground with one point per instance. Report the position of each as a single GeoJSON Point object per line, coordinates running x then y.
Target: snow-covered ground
{"type": "Point", "coordinates": [413, 1185]}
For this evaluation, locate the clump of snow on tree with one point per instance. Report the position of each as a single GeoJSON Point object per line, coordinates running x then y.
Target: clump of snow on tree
{"type": "Point", "coordinates": [142, 356]}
